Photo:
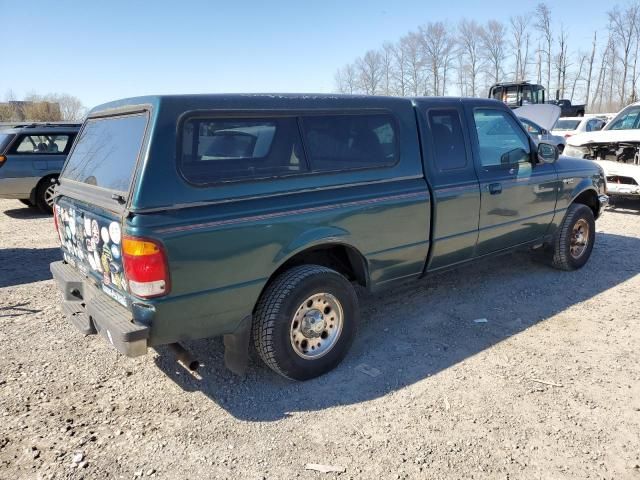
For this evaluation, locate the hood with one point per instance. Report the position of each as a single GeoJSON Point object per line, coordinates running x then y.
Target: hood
{"type": "Point", "coordinates": [604, 136]}
{"type": "Point", "coordinates": [545, 115]}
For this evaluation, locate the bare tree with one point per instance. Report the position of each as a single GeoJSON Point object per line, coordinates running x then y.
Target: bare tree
{"type": "Point", "coordinates": [519, 26]}
{"type": "Point", "coordinates": [493, 46]}
{"type": "Point", "coordinates": [370, 72]}
{"type": "Point", "coordinates": [539, 64]}
{"type": "Point", "coordinates": [561, 63]}
{"type": "Point", "coordinates": [387, 68]}
{"type": "Point", "coordinates": [71, 108]}
{"type": "Point", "coordinates": [623, 24]}
{"type": "Point", "coordinates": [411, 46]}
{"type": "Point", "coordinates": [543, 24]}
{"type": "Point", "coordinates": [345, 79]}
{"type": "Point", "coordinates": [469, 40]}
{"type": "Point", "coordinates": [525, 58]}
{"type": "Point", "coordinates": [399, 70]}
{"type": "Point", "coordinates": [590, 71]}
{"type": "Point", "coordinates": [437, 47]}
{"type": "Point", "coordinates": [578, 76]}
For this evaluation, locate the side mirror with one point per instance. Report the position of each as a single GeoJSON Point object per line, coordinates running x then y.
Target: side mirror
{"type": "Point", "coordinates": [547, 153]}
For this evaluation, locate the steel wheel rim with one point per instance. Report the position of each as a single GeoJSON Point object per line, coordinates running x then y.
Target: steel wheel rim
{"type": "Point", "coordinates": [579, 238]}
{"type": "Point", "coordinates": [316, 326]}
{"type": "Point", "coordinates": [48, 195]}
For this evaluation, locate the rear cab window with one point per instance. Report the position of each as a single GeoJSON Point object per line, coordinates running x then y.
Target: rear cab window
{"type": "Point", "coordinates": [448, 139]}
{"type": "Point", "coordinates": [106, 152]}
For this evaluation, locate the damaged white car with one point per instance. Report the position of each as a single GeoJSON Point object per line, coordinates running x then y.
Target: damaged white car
{"type": "Point", "coordinates": [616, 148]}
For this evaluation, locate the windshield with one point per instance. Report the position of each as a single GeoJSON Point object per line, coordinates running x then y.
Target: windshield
{"type": "Point", "coordinates": [627, 120]}
{"type": "Point", "coordinates": [106, 152]}
{"type": "Point", "coordinates": [567, 124]}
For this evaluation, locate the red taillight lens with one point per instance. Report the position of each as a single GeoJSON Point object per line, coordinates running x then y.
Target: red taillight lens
{"type": "Point", "coordinates": [2, 160]}
{"type": "Point", "coordinates": [145, 266]}
{"type": "Point", "coordinates": [55, 223]}
{"type": "Point", "coordinates": [567, 135]}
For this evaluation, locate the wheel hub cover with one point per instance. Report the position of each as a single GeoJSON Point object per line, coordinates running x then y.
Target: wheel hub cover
{"type": "Point", "coordinates": [312, 324]}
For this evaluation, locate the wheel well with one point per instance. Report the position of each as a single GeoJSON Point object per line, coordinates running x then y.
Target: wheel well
{"type": "Point", "coordinates": [341, 258]}
{"type": "Point", "coordinates": [590, 199]}
{"type": "Point", "coordinates": [46, 178]}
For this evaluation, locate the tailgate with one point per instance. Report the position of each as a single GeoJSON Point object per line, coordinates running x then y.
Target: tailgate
{"type": "Point", "coordinates": [91, 243]}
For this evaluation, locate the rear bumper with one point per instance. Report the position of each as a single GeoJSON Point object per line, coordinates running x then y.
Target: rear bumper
{"type": "Point", "coordinates": [93, 312]}
{"type": "Point", "coordinates": [17, 188]}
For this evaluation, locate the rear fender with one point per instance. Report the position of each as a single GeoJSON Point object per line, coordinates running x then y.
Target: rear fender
{"type": "Point", "coordinates": [312, 238]}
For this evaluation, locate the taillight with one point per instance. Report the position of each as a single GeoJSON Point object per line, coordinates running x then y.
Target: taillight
{"type": "Point", "coordinates": [145, 266]}
{"type": "Point", "coordinates": [2, 160]}
{"type": "Point", "coordinates": [55, 223]}
{"type": "Point", "coordinates": [567, 135]}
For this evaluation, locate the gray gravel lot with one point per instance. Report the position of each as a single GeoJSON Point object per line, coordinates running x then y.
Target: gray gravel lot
{"type": "Point", "coordinates": [548, 387]}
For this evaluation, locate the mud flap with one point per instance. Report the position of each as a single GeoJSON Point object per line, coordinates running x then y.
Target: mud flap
{"type": "Point", "coordinates": [236, 348]}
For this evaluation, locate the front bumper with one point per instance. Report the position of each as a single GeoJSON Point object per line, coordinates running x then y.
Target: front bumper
{"type": "Point", "coordinates": [623, 190]}
{"type": "Point", "coordinates": [92, 312]}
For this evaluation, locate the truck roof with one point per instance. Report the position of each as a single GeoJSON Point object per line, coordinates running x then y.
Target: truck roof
{"type": "Point", "coordinates": [271, 100]}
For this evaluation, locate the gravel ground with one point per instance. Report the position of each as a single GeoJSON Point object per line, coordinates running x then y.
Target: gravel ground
{"type": "Point", "coordinates": [548, 387]}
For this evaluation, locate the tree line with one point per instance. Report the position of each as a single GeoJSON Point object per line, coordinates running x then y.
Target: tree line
{"type": "Point", "coordinates": [52, 107]}
{"type": "Point", "coordinates": [466, 58]}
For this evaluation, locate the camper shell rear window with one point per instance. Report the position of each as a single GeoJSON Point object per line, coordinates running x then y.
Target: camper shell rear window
{"type": "Point", "coordinates": [106, 151]}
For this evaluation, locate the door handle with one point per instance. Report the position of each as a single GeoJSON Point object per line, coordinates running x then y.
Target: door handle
{"type": "Point", "coordinates": [495, 188]}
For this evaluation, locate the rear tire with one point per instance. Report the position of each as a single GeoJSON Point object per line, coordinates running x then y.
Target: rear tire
{"type": "Point", "coordinates": [305, 322]}
{"type": "Point", "coordinates": [44, 194]}
{"type": "Point", "coordinates": [574, 238]}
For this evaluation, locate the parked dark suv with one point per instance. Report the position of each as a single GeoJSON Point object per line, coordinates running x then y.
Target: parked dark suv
{"type": "Point", "coordinates": [31, 157]}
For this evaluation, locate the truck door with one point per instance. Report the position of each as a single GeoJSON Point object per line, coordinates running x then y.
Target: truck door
{"type": "Point", "coordinates": [518, 196]}
{"type": "Point", "coordinates": [449, 168]}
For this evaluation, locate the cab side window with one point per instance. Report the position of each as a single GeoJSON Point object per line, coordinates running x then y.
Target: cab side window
{"type": "Point", "coordinates": [448, 140]}
{"type": "Point", "coordinates": [42, 144]}
{"type": "Point", "coordinates": [501, 141]}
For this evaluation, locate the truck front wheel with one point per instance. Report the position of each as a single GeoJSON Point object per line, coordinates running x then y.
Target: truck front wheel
{"type": "Point", "coordinates": [574, 239]}
{"type": "Point", "coordinates": [305, 321]}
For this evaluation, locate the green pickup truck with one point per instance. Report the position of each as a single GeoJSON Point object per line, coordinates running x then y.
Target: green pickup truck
{"type": "Point", "coordinates": [253, 217]}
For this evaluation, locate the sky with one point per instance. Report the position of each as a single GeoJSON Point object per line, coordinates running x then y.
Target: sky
{"type": "Point", "coordinates": [104, 50]}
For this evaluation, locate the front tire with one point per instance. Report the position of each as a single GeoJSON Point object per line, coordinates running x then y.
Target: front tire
{"type": "Point", "coordinates": [574, 239]}
{"type": "Point", "coordinates": [305, 322]}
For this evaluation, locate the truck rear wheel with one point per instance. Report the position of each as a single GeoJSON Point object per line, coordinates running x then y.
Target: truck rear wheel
{"type": "Point", "coordinates": [305, 322]}
{"type": "Point", "coordinates": [574, 239]}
